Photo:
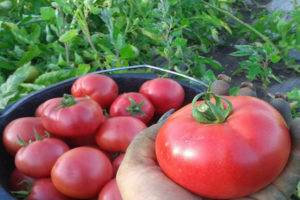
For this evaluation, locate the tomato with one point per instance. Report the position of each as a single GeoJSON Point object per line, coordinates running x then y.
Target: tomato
{"type": "Point", "coordinates": [228, 160]}
{"type": "Point", "coordinates": [41, 107]}
{"type": "Point", "coordinates": [77, 117]}
{"type": "Point", "coordinates": [82, 172]}
{"type": "Point", "coordinates": [100, 88]}
{"type": "Point", "coordinates": [164, 93]}
{"type": "Point", "coordinates": [117, 162]}
{"type": "Point", "coordinates": [24, 128]}
{"type": "Point", "coordinates": [116, 133]}
{"type": "Point", "coordinates": [110, 191]}
{"type": "Point", "coordinates": [43, 189]}
{"type": "Point", "coordinates": [132, 104]}
{"type": "Point", "coordinates": [16, 180]}
{"type": "Point", "coordinates": [37, 158]}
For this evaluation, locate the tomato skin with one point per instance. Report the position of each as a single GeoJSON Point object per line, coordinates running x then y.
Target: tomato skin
{"type": "Point", "coordinates": [116, 133]}
{"type": "Point", "coordinates": [164, 93]}
{"type": "Point", "coordinates": [45, 190]}
{"type": "Point", "coordinates": [228, 160]}
{"type": "Point", "coordinates": [121, 103]}
{"type": "Point", "coordinates": [24, 128]}
{"type": "Point", "coordinates": [16, 178]}
{"type": "Point", "coordinates": [82, 172]}
{"type": "Point", "coordinates": [110, 191]}
{"type": "Point", "coordinates": [98, 87]}
{"type": "Point", "coordinates": [40, 109]}
{"type": "Point", "coordinates": [117, 162]}
{"type": "Point", "coordinates": [37, 159]}
{"type": "Point", "coordinates": [82, 118]}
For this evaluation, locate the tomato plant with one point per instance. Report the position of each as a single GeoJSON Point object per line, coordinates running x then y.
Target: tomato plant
{"type": "Point", "coordinates": [23, 128]}
{"type": "Point", "coordinates": [132, 104]}
{"type": "Point", "coordinates": [82, 172]}
{"type": "Point", "coordinates": [70, 116]}
{"type": "Point", "coordinates": [224, 150]}
{"type": "Point", "coordinates": [110, 191]}
{"type": "Point", "coordinates": [37, 158]}
{"type": "Point", "coordinates": [116, 133]}
{"type": "Point", "coordinates": [98, 87]}
{"type": "Point", "coordinates": [164, 93]}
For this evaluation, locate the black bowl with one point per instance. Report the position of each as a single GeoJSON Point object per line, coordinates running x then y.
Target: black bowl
{"type": "Point", "coordinates": [128, 82]}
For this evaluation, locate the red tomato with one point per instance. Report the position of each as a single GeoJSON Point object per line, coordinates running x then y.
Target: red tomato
{"type": "Point", "coordinates": [81, 118]}
{"type": "Point", "coordinates": [117, 162]}
{"type": "Point", "coordinates": [16, 180]}
{"type": "Point", "coordinates": [110, 191]}
{"type": "Point", "coordinates": [37, 158]}
{"type": "Point", "coordinates": [41, 107]}
{"type": "Point", "coordinates": [100, 88]}
{"type": "Point", "coordinates": [132, 104]}
{"type": "Point", "coordinates": [116, 133]}
{"type": "Point", "coordinates": [227, 160]}
{"type": "Point", "coordinates": [82, 172]}
{"type": "Point", "coordinates": [24, 128]}
{"type": "Point", "coordinates": [43, 189]}
{"type": "Point", "coordinates": [164, 94]}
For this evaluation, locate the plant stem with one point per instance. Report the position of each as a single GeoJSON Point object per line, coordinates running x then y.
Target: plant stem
{"type": "Point", "coordinates": [64, 30]}
{"type": "Point", "coordinates": [259, 34]}
{"type": "Point", "coordinates": [85, 29]}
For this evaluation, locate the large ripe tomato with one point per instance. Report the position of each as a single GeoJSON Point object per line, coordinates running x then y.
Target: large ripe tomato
{"type": "Point", "coordinates": [226, 160]}
{"type": "Point", "coordinates": [81, 117]}
{"type": "Point", "coordinates": [82, 172]}
{"type": "Point", "coordinates": [23, 128]}
{"type": "Point", "coordinates": [116, 133]}
{"type": "Point", "coordinates": [100, 88]}
{"type": "Point", "coordinates": [110, 191]}
{"type": "Point", "coordinates": [164, 93]}
{"type": "Point", "coordinates": [132, 104]}
{"type": "Point", "coordinates": [37, 158]}
{"type": "Point", "coordinates": [43, 189]}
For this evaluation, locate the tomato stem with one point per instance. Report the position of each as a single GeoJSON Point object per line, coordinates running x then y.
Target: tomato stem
{"type": "Point", "coordinates": [66, 101]}
{"type": "Point", "coordinates": [208, 112]}
{"type": "Point", "coordinates": [135, 108]}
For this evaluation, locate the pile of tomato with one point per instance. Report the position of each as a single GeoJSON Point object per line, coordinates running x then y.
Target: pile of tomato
{"type": "Point", "coordinates": [73, 146]}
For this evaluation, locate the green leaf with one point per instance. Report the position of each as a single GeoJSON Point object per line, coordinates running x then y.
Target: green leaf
{"type": "Point", "coordinates": [233, 91]}
{"type": "Point", "coordinates": [52, 77]}
{"type": "Point", "coordinates": [120, 41]}
{"type": "Point", "coordinates": [214, 34]}
{"type": "Point", "coordinates": [35, 33]}
{"type": "Point", "coordinates": [68, 35]}
{"type": "Point", "coordinates": [275, 58]}
{"type": "Point", "coordinates": [82, 69]}
{"type": "Point", "coordinates": [253, 72]}
{"type": "Point", "coordinates": [129, 51]}
{"type": "Point", "coordinates": [47, 13]}
{"type": "Point", "coordinates": [243, 50]}
{"type": "Point", "coordinates": [209, 76]}
{"type": "Point", "coordinates": [294, 95]}
{"type": "Point", "coordinates": [33, 52]}
{"type": "Point", "coordinates": [6, 64]}
{"type": "Point", "coordinates": [10, 89]}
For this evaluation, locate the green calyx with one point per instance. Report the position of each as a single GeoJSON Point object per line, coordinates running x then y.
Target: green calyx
{"type": "Point", "coordinates": [209, 113]}
{"type": "Point", "coordinates": [135, 108]}
{"type": "Point", "coordinates": [22, 194]}
{"type": "Point", "coordinates": [66, 101]}
{"type": "Point", "coordinates": [37, 138]}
